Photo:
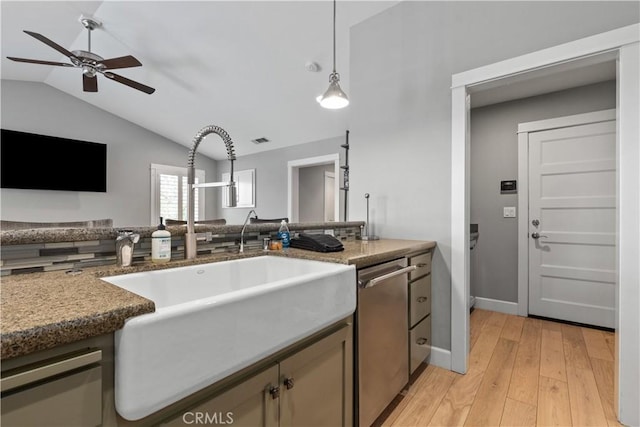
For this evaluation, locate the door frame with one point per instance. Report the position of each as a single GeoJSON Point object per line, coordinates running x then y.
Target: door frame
{"type": "Point", "coordinates": [523, 192]}
{"type": "Point", "coordinates": [625, 44]}
{"type": "Point", "coordinates": [293, 169]}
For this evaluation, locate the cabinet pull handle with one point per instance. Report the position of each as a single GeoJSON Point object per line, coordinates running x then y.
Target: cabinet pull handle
{"type": "Point", "coordinates": [53, 367]}
{"type": "Point", "coordinates": [274, 391]}
{"type": "Point", "coordinates": [421, 264]}
{"type": "Point", "coordinates": [422, 341]}
{"type": "Point", "coordinates": [422, 299]}
{"type": "Point", "coordinates": [373, 282]}
{"type": "Point", "coordinates": [288, 382]}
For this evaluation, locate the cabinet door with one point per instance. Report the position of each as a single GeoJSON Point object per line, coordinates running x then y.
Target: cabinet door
{"type": "Point", "coordinates": [317, 383]}
{"type": "Point", "coordinates": [249, 403]}
{"type": "Point", "coordinates": [420, 343]}
{"type": "Point", "coordinates": [419, 300]}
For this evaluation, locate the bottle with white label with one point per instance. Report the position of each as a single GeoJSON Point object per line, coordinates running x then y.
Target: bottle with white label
{"type": "Point", "coordinates": [161, 244]}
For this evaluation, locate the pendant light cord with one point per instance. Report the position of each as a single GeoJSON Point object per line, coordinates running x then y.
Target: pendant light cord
{"type": "Point", "coordinates": [334, 98]}
{"type": "Point", "coordinates": [334, 36]}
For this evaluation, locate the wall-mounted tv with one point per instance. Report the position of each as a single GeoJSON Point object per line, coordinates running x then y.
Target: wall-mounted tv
{"type": "Point", "coordinates": [40, 162]}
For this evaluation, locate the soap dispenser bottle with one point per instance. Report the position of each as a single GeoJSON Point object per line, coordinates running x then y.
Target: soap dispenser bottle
{"type": "Point", "coordinates": [283, 234]}
{"type": "Point", "coordinates": [161, 244]}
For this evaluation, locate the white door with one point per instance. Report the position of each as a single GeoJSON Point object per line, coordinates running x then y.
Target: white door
{"type": "Point", "coordinates": [572, 211]}
{"type": "Point", "coordinates": [329, 196]}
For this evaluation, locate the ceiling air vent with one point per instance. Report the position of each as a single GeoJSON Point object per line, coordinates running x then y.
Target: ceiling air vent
{"type": "Point", "coordinates": [260, 140]}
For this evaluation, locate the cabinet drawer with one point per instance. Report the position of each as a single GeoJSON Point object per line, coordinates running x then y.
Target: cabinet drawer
{"type": "Point", "coordinates": [419, 299]}
{"type": "Point", "coordinates": [420, 343]}
{"type": "Point", "coordinates": [73, 400]}
{"type": "Point", "coordinates": [423, 261]}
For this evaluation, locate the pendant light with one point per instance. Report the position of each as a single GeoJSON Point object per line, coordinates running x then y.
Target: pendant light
{"type": "Point", "coordinates": [334, 98]}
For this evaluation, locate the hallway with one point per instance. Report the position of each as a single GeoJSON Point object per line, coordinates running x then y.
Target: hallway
{"type": "Point", "coordinates": [522, 372]}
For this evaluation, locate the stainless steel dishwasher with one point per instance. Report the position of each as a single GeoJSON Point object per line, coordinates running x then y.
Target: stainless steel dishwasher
{"type": "Point", "coordinates": [382, 349]}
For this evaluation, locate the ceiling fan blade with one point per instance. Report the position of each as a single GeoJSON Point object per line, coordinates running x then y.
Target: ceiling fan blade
{"type": "Point", "coordinates": [121, 62]}
{"type": "Point", "coordinates": [50, 43]}
{"type": "Point", "coordinates": [37, 61]}
{"type": "Point", "coordinates": [89, 84]}
{"type": "Point", "coordinates": [128, 82]}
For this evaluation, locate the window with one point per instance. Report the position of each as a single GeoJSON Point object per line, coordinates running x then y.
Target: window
{"type": "Point", "coordinates": [169, 193]}
{"type": "Point", "coordinates": [246, 194]}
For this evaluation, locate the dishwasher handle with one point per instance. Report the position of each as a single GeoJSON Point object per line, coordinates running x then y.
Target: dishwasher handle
{"type": "Point", "coordinates": [376, 280]}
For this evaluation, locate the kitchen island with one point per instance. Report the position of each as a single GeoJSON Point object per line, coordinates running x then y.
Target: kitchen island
{"type": "Point", "coordinates": [43, 310]}
{"type": "Point", "coordinates": [71, 317]}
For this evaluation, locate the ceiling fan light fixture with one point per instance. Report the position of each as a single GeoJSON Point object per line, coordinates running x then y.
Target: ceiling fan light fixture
{"type": "Point", "coordinates": [334, 98]}
{"type": "Point", "coordinates": [88, 71]}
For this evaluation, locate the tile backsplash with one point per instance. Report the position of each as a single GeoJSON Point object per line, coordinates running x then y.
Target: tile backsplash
{"type": "Point", "coordinates": [40, 257]}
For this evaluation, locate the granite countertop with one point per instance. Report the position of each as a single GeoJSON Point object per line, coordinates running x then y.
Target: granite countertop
{"type": "Point", "coordinates": [44, 310]}
{"type": "Point", "coordinates": [363, 254]}
{"type": "Point", "coordinates": [54, 235]}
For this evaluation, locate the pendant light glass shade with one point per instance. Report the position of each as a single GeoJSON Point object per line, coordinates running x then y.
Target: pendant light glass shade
{"type": "Point", "coordinates": [334, 98]}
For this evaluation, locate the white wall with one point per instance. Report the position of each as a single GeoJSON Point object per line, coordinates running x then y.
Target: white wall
{"type": "Point", "coordinates": [494, 157]}
{"type": "Point", "coordinates": [400, 118]}
{"type": "Point", "coordinates": [39, 108]}
{"type": "Point", "coordinates": [271, 177]}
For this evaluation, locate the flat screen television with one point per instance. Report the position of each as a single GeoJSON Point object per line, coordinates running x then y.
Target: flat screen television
{"type": "Point", "coordinates": [40, 162]}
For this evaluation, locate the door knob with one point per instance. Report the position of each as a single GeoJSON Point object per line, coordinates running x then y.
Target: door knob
{"type": "Point", "coordinates": [537, 235]}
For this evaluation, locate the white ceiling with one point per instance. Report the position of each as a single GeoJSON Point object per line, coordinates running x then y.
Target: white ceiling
{"type": "Point", "coordinates": [236, 64]}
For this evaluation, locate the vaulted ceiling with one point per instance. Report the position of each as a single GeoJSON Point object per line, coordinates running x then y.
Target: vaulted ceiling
{"type": "Point", "coordinates": [236, 64]}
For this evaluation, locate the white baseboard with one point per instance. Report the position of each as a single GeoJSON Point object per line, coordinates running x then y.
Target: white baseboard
{"type": "Point", "coordinates": [506, 307]}
{"type": "Point", "coordinates": [440, 357]}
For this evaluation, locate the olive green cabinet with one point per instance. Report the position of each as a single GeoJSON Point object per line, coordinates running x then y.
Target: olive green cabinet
{"type": "Point", "coordinates": [317, 383]}
{"type": "Point", "coordinates": [251, 402]}
{"type": "Point", "coordinates": [419, 309]}
{"type": "Point", "coordinates": [61, 391]}
{"type": "Point", "coordinates": [309, 383]}
{"type": "Point", "coordinates": [310, 387]}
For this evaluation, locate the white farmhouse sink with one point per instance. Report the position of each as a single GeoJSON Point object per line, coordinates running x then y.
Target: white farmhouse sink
{"type": "Point", "coordinates": [212, 320]}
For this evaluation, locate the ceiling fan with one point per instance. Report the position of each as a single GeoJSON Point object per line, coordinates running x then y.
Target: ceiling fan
{"type": "Point", "coordinates": [91, 64]}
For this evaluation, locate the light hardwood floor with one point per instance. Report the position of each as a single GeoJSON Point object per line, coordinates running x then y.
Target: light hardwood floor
{"type": "Point", "coordinates": [522, 372]}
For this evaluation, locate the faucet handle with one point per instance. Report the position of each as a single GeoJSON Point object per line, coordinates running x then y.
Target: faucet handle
{"type": "Point", "coordinates": [128, 234]}
{"type": "Point", "coordinates": [123, 234]}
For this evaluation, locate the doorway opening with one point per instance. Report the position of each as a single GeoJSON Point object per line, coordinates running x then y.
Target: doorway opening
{"type": "Point", "coordinates": [498, 190]}
{"type": "Point", "coordinates": [313, 191]}
{"type": "Point", "coordinates": [624, 45]}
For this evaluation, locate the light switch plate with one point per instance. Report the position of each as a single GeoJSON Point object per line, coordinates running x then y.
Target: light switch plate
{"type": "Point", "coordinates": [509, 212]}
